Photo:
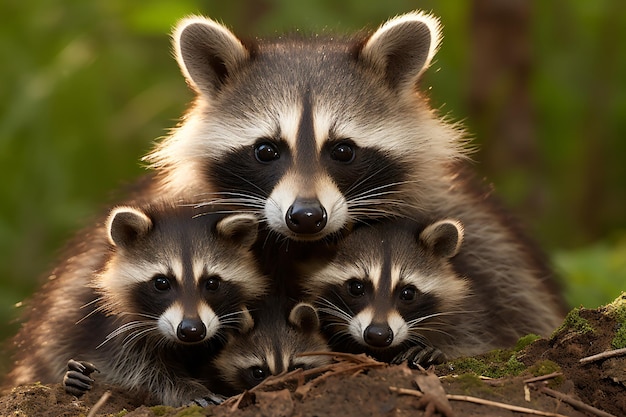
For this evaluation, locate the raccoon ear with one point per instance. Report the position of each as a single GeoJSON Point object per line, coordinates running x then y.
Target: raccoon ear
{"type": "Point", "coordinates": [443, 238]}
{"type": "Point", "coordinates": [241, 228]}
{"type": "Point", "coordinates": [402, 48]}
{"type": "Point", "coordinates": [304, 317]}
{"type": "Point", "coordinates": [207, 53]}
{"type": "Point", "coordinates": [126, 225]}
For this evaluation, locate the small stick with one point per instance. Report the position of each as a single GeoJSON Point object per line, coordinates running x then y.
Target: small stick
{"type": "Point", "coordinates": [603, 355]}
{"type": "Point", "coordinates": [357, 368]}
{"type": "Point", "coordinates": [480, 401]}
{"type": "Point", "coordinates": [99, 404]}
{"type": "Point", "coordinates": [351, 357]}
{"type": "Point", "coordinates": [235, 406]}
{"type": "Point", "coordinates": [574, 403]}
{"type": "Point", "coordinates": [543, 377]}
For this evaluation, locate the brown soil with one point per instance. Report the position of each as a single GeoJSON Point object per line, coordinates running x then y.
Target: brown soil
{"type": "Point", "coordinates": [358, 386]}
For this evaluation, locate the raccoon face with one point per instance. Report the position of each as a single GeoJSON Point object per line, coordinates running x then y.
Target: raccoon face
{"type": "Point", "coordinates": [390, 288]}
{"type": "Point", "coordinates": [312, 134]}
{"type": "Point", "coordinates": [178, 275]}
{"type": "Point", "coordinates": [272, 347]}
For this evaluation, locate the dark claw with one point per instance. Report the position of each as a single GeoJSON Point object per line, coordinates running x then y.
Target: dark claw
{"type": "Point", "coordinates": [210, 399]}
{"type": "Point", "coordinates": [417, 356]}
{"type": "Point", "coordinates": [85, 368]}
{"type": "Point", "coordinates": [76, 380]}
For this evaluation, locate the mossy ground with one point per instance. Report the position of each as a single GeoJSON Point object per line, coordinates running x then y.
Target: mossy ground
{"type": "Point", "coordinates": [584, 333]}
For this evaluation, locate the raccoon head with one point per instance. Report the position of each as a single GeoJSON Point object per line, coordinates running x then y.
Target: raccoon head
{"type": "Point", "coordinates": [176, 274]}
{"type": "Point", "coordinates": [390, 286]}
{"type": "Point", "coordinates": [313, 134]}
{"type": "Point", "coordinates": [272, 346]}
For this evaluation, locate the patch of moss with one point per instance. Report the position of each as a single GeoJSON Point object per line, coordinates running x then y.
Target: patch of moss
{"type": "Point", "coordinates": [573, 323]}
{"type": "Point", "coordinates": [121, 413]}
{"type": "Point", "coordinates": [544, 368]}
{"type": "Point", "coordinates": [469, 381]}
{"type": "Point", "coordinates": [495, 364]}
{"type": "Point", "coordinates": [617, 310]}
{"type": "Point", "coordinates": [525, 341]}
{"type": "Point", "coordinates": [193, 411]}
{"type": "Point", "coordinates": [161, 410]}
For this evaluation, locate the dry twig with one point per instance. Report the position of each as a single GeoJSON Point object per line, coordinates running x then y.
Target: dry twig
{"type": "Point", "coordinates": [574, 403]}
{"type": "Point", "coordinates": [348, 363]}
{"type": "Point", "coordinates": [543, 377]}
{"type": "Point", "coordinates": [480, 401]}
{"type": "Point", "coordinates": [99, 404]}
{"type": "Point", "coordinates": [603, 355]}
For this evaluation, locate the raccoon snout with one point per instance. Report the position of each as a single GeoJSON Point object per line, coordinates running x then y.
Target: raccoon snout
{"type": "Point", "coordinates": [306, 216]}
{"type": "Point", "coordinates": [378, 335]}
{"type": "Point", "coordinates": [191, 330]}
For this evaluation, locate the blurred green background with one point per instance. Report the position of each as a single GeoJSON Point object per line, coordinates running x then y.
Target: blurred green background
{"type": "Point", "coordinates": [87, 86]}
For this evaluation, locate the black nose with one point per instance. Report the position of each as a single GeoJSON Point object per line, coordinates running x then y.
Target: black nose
{"type": "Point", "coordinates": [191, 330]}
{"type": "Point", "coordinates": [378, 335]}
{"type": "Point", "coordinates": [306, 216]}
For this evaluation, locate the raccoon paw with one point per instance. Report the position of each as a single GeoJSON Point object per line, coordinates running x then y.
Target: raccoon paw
{"type": "Point", "coordinates": [209, 399]}
{"type": "Point", "coordinates": [76, 380]}
{"type": "Point", "coordinates": [417, 356]}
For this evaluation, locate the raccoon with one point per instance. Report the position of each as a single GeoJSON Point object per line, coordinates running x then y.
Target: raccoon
{"type": "Point", "coordinates": [271, 346]}
{"type": "Point", "coordinates": [147, 299]}
{"type": "Point", "coordinates": [317, 135]}
{"type": "Point", "coordinates": [398, 291]}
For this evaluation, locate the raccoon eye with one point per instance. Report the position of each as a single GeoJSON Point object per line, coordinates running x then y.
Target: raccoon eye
{"type": "Point", "coordinates": [408, 293]}
{"type": "Point", "coordinates": [257, 373]}
{"type": "Point", "coordinates": [161, 282]}
{"type": "Point", "coordinates": [266, 152]}
{"type": "Point", "coordinates": [342, 152]}
{"type": "Point", "coordinates": [356, 288]}
{"type": "Point", "coordinates": [212, 283]}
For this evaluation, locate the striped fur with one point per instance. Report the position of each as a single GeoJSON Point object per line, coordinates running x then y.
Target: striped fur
{"type": "Point", "coordinates": [317, 135]}
{"type": "Point", "coordinates": [147, 298]}
{"type": "Point", "coordinates": [392, 287]}
{"type": "Point", "coordinates": [306, 98]}
{"type": "Point", "coordinates": [273, 346]}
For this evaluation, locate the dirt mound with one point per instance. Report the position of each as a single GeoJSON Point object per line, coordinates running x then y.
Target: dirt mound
{"type": "Point", "coordinates": [358, 386]}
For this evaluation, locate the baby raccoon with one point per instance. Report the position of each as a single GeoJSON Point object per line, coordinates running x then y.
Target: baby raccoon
{"type": "Point", "coordinates": [272, 345]}
{"type": "Point", "coordinates": [147, 299]}
{"type": "Point", "coordinates": [400, 291]}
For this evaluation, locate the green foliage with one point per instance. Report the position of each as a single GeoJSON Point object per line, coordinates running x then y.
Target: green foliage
{"type": "Point", "coordinates": [595, 274]}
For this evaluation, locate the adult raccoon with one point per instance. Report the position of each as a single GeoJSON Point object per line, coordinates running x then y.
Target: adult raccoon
{"type": "Point", "coordinates": [319, 134]}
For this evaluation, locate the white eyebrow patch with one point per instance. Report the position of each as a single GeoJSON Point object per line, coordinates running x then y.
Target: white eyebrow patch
{"type": "Point", "coordinates": [289, 121]}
